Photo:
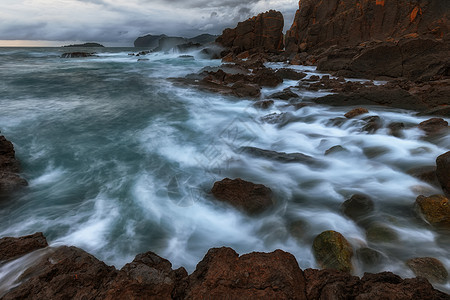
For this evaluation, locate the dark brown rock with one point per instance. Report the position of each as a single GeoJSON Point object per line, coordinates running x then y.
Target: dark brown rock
{"type": "Point", "coordinates": [243, 90]}
{"type": "Point", "coordinates": [251, 198]}
{"type": "Point", "coordinates": [357, 206]}
{"type": "Point", "coordinates": [381, 233]}
{"type": "Point", "coordinates": [65, 273]}
{"type": "Point", "coordinates": [284, 95]}
{"type": "Point", "coordinates": [148, 277]}
{"type": "Point", "coordinates": [428, 267]}
{"type": "Point", "coordinates": [290, 74]}
{"type": "Point", "coordinates": [320, 24]}
{"type": "Point", "coordinates": [222, 274]}
{"type": "Point", "coordinates": [263, 104]}
{"type": "Point", "coordinates": [434, 126]}
{"type": "Point", "coordinates": [356, 112]}
{"type": "Point", "coordinates": [443, 171]}
{"type": "Point", "coordinates": [11, 247]}
{"type": "Point", "coordinates": [426, 174]}
{"type": "Point", "coordinates": [373, 123]}
{"type": "Point", "coordinates": [267, 77]}
{"type": "Point", "coordinates": [263, 32]}
{"type": "Point", "coordinates": [333, 251]}
{"type": "Point", "coordinates": [9, 166]}
{"type": "Point", "coordinates": [435, 210]}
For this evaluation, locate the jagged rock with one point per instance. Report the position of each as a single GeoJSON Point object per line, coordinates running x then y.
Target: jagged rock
{"type": "Point", "coordinates": [286, 94]}
{"type": "Point", "coordinates": [242, 89]}
{"type": "Point", "coordinates": [267, 77]}
{"type": "Point", "coordinates": [443, 171]}
{"type": "Point", "coordinates": [333, 251]}
{"type": "Point", "coordinates": [290, 74]}
{"type": "Point", "coordinates": [428, 267]}
{"type": "Point", "coordinates": [357, 206]}
{"type": "Point", "coordinates": [335, 150]}
{"type": "Point", "coordinates": [65, 273]}
{"type": "Point", "coordinates": [356, 112]}
{"type": "Point", "coordinates": [282, 156]}
{"type": "Point", "coordinates": [349, 23]}
{"type": "Point", "coordinates": [434, 126]}
{"type": "Point", "coordinates": [264, 32]}
{"type": "Point", "coordinates": [9, 166]}
{"type": "Point", "coordinates": [251, 198]}
{"type": "Point", "coordinates": [147, 277]}
{"type": "Point", "coordinates": [223, 274]}
{"type": "Point", "coordinates": [435, 210]}
{"type": "Point", "coordinates": [11, 247]}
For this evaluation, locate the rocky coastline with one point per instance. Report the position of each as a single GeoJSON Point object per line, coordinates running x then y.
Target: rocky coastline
{"type": "Point", "coordinates": [402, 44]}
{"type": "Point", "coordinates": [71, 273]}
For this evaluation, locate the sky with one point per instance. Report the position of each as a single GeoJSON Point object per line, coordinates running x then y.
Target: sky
{"type": "Point", "coordinates": [119, 23]}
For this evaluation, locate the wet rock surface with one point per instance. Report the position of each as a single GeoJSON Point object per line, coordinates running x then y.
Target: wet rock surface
{"type": "Point", "coordinates": [11, 247]}
{"type": "Point", "coordinates": [443, 172]}
{"type": "Point", "coordinates": [71, 273]}
{"type": "Point", "coordinates": [435, 210]}
{"type": "Point", "coordinates": [428, 267]}
{"type": "Point", "coordinates": [9, 167]}
{"type": "Point", "coordinates": [247, 196]}
{"type": "Point", "coordinates": [333, 251]}
{"type": "Point", "coordinates": [77, 55]}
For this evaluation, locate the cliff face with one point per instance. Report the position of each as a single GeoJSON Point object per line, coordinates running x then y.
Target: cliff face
{"type": "Point", "coordinates": [320, 24]}
{"type": "Point", "coordinates": [263, 32]}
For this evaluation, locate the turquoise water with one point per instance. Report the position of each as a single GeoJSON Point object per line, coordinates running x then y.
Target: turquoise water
{"type": "Point", "coordinates": [120, 161]}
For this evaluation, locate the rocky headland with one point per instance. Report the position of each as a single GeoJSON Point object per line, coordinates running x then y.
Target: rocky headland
{"type": "Point", "coordinates": [10, 179]}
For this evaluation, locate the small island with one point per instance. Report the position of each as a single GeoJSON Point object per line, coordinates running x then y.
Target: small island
{"type": "Point", "coordinates": [91, 45]}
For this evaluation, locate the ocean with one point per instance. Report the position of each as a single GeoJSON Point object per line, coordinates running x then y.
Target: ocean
{"type": "Point", "coordinates": [120, 161]}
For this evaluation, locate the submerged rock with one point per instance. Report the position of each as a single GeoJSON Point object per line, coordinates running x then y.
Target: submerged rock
{"type": "Point", "coordinates": [357, 207]}
{"type": "Point", "coordinates": [428, 267]}
{"type": "Point", "coordinates": [251, 198]}
{"type": "Point", "coordinates": [263, 104]}
{"type": "Point", "coordinates": [333, 251]}
{"type": "Point", "coordinates": [426, 174]}
{"type": "Point", "coordinates": [435, 210]}
{"type": "Point", "coordinates": [11, 247]}
{"type": "Point", "coordinates": [369, 257]}
{"type": "Point", "coordinates": [443, 172]}
{"type": "Point", "coordinates": [286, 94]}
{"type": "Point", "coordinates": [380, 233]}
{"type": "Point", "coordinates": [77, 55]}
{"type": "Point", "coordinates": [282, 156]}
{"type": "Point", "coordinates": [434, 126]}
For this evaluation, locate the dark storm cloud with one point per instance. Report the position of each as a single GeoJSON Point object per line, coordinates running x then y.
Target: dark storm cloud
{"type": "Point", "coordinates": [122, 21]}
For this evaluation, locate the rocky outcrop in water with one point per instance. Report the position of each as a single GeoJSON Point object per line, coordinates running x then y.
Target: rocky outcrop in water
{"type": "Point", "coordinates": [9, 167]}
{"type": "Point", "coordinates": [261, 33]}
{"type": "Point", "coordinates": [11, 247]}
{"type": "Point", "coordinates": [435, 210]}
{"type": "Point", "coordinates": [251, 198]}
{"type": "Point", "coordinates": [71, 273]}
{"type": "Point", "coordinates": [77, 55]}
{"type": "Point", "coordinates": [88, 45]}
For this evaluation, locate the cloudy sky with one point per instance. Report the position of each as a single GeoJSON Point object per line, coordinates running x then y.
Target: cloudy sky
{"type": "Point", "coordinates": [119, 22]}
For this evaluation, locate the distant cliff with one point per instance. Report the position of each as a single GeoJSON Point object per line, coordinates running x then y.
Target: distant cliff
{"type": "Point", "coordinates": [91, 45]}
{"type": "Point", "coordinates": [161, 41]}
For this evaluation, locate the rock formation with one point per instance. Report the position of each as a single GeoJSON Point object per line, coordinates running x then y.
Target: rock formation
{"type": "Point", "coordinates": [9, 167]}
{"type": "Point", "coordinates": [71, 273]}
{"type": "Point", "coordinates": [261, 33]}
{"type": "Point", "coordinates": [321, 24]}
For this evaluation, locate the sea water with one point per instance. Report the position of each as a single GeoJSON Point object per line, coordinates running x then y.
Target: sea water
{"type": "Point", "coordinates": [120, 161]}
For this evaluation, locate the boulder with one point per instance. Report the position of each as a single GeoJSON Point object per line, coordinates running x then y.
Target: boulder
{"type": "Point", "coordinates": [246, 90]}
{"type": "Point", "coordinates": [286, 94]}
{"type": "Point", "coordinates": [290, 74]}
{"type": "Point", "coordinates": [443, 171]}
{"type": "Point", "coordinates": [261, 33]}
{"type": "Point", "coordinates": [356, 112]}
{"type": "Point", "coordinates": [333, 251]}
{"type": "Point", "coordinates": [381, 233]}
{"type": "Point", "coordinates": [435, 210]}
{"type": "Point", "coordinates": [369, 257]}
{"type": "Point", "coordinates": [11, 247]}
{"type": "Point", "coordinates": [65, 273]}
{"type": "Point", "coordinates": [434, 126]}
{"type": "Point", "coordinates": [247, 196]}
{"type": "Point", "coordinates": [149, 276]}
{"type": "Point", "coordinates": [428, 267]}
{"type": "Point", "coordinates": [224, 274]}
{"type": "Point", "coordinates": [357, 207]}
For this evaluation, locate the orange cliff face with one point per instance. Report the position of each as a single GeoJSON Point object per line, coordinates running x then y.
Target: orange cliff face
{"type": "Point", "coordinates": [321, 24]}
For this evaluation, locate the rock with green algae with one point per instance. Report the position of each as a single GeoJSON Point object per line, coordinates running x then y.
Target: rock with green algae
{"type": "Point", "coordinates": [380, 233]}
{"type": "Point", "coordinates": [435, 210]}
{"type": "Point", "coordinates": [333, 251]}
